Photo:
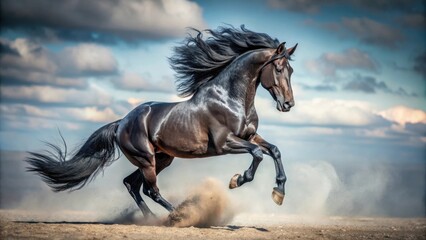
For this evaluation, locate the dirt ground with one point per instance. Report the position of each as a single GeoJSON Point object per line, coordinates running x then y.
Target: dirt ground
{"type": "Point", "coordinates": [29, 225]}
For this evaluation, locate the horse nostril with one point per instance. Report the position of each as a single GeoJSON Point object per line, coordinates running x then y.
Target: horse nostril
{"type": "Point", "coordinates": [288, 104]}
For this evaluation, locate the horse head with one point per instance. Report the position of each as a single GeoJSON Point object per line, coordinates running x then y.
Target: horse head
{"type": "Point", "coordinates": [275, 77]}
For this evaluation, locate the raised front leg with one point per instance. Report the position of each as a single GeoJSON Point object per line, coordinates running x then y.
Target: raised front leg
{"type": "Point", "coordinates": [272, 150]}
{"type": "Point", "coordinates": [237, 145]}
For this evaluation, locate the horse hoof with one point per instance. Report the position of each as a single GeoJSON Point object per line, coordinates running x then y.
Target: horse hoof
{"type": "Point", "coordinates": [277, 196]}
{"type": "Point", "coordinates": [234, 181]}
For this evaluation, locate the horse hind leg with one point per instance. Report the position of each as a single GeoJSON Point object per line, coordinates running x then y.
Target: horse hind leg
{"type": "Point", "coordinates": [150, 187]}
{"type": "Point", "coordinates": [133, 183]}
{"type": "Point", "coordinates": [162, 161]}
{"type": "Point", "coordinates": [148, 175]}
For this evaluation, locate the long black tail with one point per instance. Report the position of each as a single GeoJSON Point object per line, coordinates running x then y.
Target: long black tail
{"type": "Point", "coordinates": [61, 174]}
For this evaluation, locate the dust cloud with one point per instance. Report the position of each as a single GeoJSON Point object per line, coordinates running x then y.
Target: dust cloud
{"type": "Point", "coordinates": [314, 188]}
{"type": "Point", "coordinates": [207, 205]}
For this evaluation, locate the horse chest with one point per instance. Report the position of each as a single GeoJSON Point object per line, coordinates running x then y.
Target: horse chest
{"type": "Point", "coordinates": [250, 124]}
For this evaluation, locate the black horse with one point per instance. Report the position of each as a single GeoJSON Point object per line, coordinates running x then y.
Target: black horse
{"type": "Point", "coordinates": [221, 73]}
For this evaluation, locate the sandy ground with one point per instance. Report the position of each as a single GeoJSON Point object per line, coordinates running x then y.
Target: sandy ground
{"type": "Point", "coordinates": [66, 225]}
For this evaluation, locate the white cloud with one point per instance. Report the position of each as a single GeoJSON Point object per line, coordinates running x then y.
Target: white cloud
{"type": "Point", "coordinates": [93, 114]}
{"type": "Point", "coordinates": [321, 112]}
{"type": "Point", "coordinates": [88, 58]}
{"type": "Point", "coordinates": [51, 95]}
{"type": "Point", "coordinates": [403, 115]}
{"type": "Point", "coordinates": [29, 63]}
{"type": "Point", "coordinates": [23, 116]}
{"type": "Point", "coordinates": [28, 55]}
{"type": "Point", "coordinates": [135, 101]}
{"type": "Point", "coordinates": [42, 78]}
{"type": "Point", "coordinates": [350, 118]}
{"type": "Point", "coordinates": [28, 110]}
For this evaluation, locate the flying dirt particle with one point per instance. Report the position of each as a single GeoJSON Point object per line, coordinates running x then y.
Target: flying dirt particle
{"type": "Point", "coordinates": [207, 205]}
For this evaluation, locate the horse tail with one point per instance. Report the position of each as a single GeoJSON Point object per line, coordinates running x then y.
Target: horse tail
{"type": "Point", "coordinates": [95, 154]}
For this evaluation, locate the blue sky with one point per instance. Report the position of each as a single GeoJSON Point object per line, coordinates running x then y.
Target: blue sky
{"type": "Point", "coordinates": [359, 75]}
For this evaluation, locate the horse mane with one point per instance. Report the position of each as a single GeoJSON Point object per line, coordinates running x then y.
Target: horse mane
{"type": "Point", "coordinates": [199, 60]}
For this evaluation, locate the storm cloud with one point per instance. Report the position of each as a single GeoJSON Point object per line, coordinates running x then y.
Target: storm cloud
{"type": "Point", "coordinates": [329, 63]}
{"type": "Point", "coordinates": [315, 6]}
{"type": "Point", "coordinates": [30, 63]}
{"type": "Point", "coordinates": [420, 63]}
{"type": "Point", "coordinates": [368, 84]}
{"type": "Point", "coordinates": [101, 21]}
{"type": "Point", "coordinates": [372, 32]}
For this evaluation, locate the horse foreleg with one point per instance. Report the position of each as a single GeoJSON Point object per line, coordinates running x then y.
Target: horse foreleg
{"type": "Point", "coordinates": [237, 145]}
{"type": "Point", "coordinates": [273, 151]}
{"type": "Point", "coordinates": [133, 184]}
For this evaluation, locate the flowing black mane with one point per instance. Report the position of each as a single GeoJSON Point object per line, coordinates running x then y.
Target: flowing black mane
{"type": "Point", "coordinates": [198, 60]}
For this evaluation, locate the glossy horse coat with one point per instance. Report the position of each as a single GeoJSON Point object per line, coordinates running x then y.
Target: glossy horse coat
{"type": "Point", "coordinates": [221, 74]}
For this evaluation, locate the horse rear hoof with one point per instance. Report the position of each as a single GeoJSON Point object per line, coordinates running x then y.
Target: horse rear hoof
{"type": "Point", "coordinates": [277, 196]}
{"type": "Point", "coordinates": [234, 181]}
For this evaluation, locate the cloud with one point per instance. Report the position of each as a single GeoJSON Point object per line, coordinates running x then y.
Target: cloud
{"type": "Point", "coordinates": [365, 84]}
{"type": "Point", "coordinates": [366, 30]}
{"type": "Point", "coordinates": [134, 82]}
{"type": "Point", "coordinates": [29, 63]}
{"type": "Point", "coordinates": [15, 76]}
{"type": "Point", "coordinates": [17, 117]}
{"type": "Point", "coordinates": [93, 114]}
{"type": "Point", "coordinates": [101, 21]}
{"type": "Point", "coordinates": [404, 115]}
{"type": "Point", "coordinates": [372, 32]}
{"type": "Point", "coordinates": [409, 124]}
{"type": "Point", "coordinates": [336, 188]}
{"type": "Point", "coordinates": [315, 6]}
{"type": "Point", "coordinates": [26, 54]}
{"type": "Point", "coordinates": [298, 6]}
{"type": "Point", "coordinates": [329, 63]}
{"type": "Point", "coordinates": [420, 63]}
{"type": "Point", "coordinates": [87, 59]}
{"type": "Point", "coordinates": [348, 120]}
{"type": "Point", "coordinates": [319, 87]}
{"type": "Point", "coordinates": [414, 20]}
{"type": "Point", "coordinates": [47, 95]}
{"type": "Point", "coordinates": [368, 84]}
{"type": "Point", "coordinates": [323, 112]}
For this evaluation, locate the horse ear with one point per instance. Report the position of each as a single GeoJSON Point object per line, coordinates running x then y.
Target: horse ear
{"type": "Point", "coordinates": [280, 48]}
{"type": "Point", "coordinates": [290, 51]}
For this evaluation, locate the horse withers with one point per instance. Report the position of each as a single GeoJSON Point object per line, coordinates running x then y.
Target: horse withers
{"type": "Point", "coordinates": [221, 74]}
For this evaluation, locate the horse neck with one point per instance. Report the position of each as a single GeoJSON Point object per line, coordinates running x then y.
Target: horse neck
{"type": "Point", "coordinates": [241, 80]}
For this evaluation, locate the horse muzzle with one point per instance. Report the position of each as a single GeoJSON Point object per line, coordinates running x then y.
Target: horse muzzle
{"type": "Point", "coordinates": [284, 106]}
